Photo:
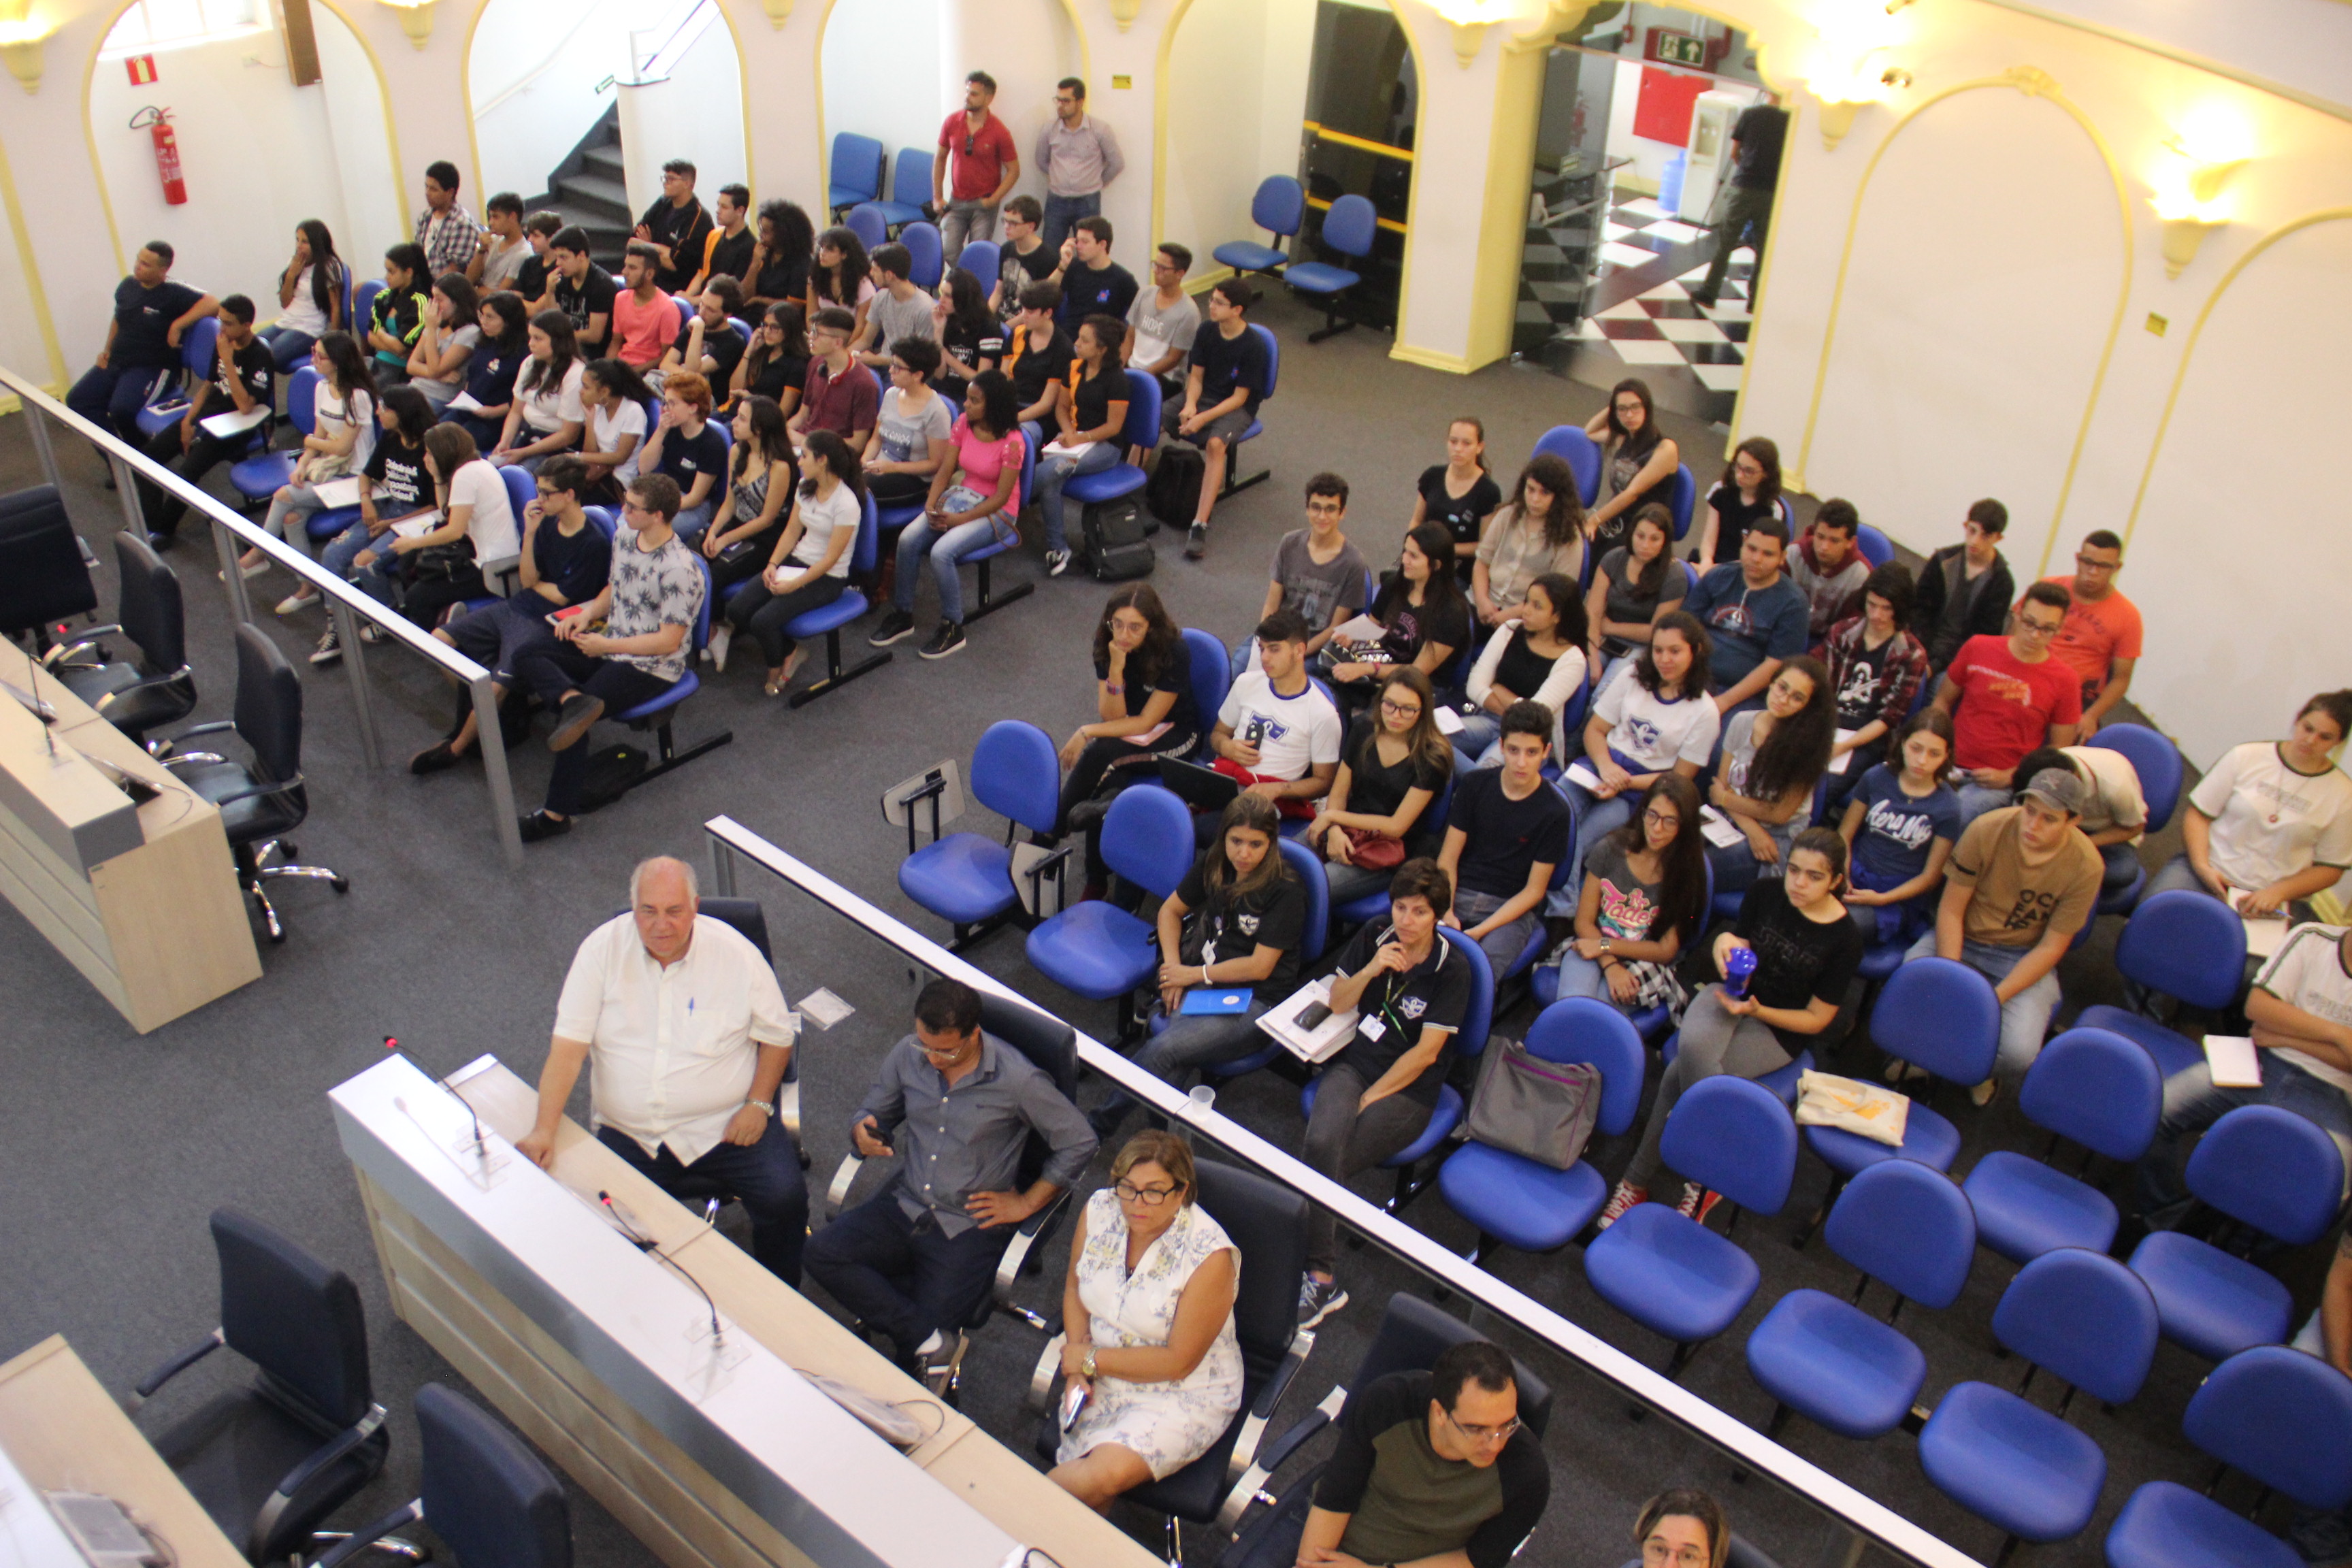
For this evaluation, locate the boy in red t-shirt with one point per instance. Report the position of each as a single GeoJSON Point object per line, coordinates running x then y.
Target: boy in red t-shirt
{"type": "Point", "coordinates": [2006, 697]}
{"type": "Point", "coordinates": [2100, 642]}
{"type": "Point", "coordinates": [978, 150]}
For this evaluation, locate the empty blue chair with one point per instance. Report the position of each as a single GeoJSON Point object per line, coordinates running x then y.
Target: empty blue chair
{"type": "Point", "coordinates": [2187, 945]}
{"type": "Point", "coordinates": [966, 878]}
{"type": "Point", "coordinates": [986, 602]}
{"type": "Point", "coordinates": [1909, 1229]}
{"type": "Point", "coordinates": [2283, 1417]}
{"type": "Point", "coordinates": [169, 398]}
{"type": "Point", "coordinates": [1096, 948]}
{"type": "Point", "coordinates": [1518, 1202]}
{"type": "Point", "coordinates": [1349, 226]}
{"type": "Point", "coordinates": [1681, 500]}
{"type": "Point", "coordinates": [1876, 547]}
{"type": "Point", "coordinates": [2268, 1169]}
{"type": "Point", "coordinates": [1936, 1014]}
{"type": "Point", "coordinates": [1213, 673]}
{"type": "Point", "coordinates": [983, 259]}
{"type": "Point", "coordinates": [924, 255]}
{"type": "Point", "coordinates": [1670, 1274]}
{"type": "Point", "coordinates": [865, 221]}
{"type": "Point", "coordinates": [659, 712]}
{"type": "Point", "coordinates": [827, 620]}
{"type": "Point", "coordinates": [911, 189]}
{"type": "Point", "coordinates": [1124, 478]}
{"type": "Point", "coordinates": [1571, 445]}
{"type": "Point", "coordinates": [1279, 207]}
{"type": "Point", "coordinates": [2090, 1085]}
{"type": "Point", "coordinates": [2086, 1319]}
{"type": "Point", "coordinates": [855, 171]}
{"type": "Point", "coordinates": [259, 477]}
{"type": "Point", "coordinates": [363, 307]}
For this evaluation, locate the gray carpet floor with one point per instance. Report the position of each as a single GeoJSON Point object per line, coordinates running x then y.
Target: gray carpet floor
{"type": "Point", "coordinates": [118, 1146]}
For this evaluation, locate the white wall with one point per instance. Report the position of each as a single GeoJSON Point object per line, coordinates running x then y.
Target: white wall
{"type": "Point", "coordinates": [531, 80]}
{"type": "Point", "coordinates": [695, 114]}
{"type": "Point", "coordinates": [1027, 45]}
{"type": "Point", "coordinates": [363, 146]}
{"type": "Point", "coordinates": [1236, 94]}
{"type": "Point", "coordinates": [881, 66]}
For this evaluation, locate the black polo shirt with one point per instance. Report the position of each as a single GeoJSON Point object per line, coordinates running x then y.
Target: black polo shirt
{"type": "Point", "coordinates": [142, 323]}
{"type": "Point", "coordinates": [1395, 1008]}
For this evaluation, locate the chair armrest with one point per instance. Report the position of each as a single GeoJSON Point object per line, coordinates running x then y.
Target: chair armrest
{"type": "Point", "coordinates": [838, 1192]}
{"type": "Point", "coordinates": [215, 727]}
{"type": "Point", "coordinates": [1045, 1373]}
{"type": "Point", "coordinates": [1025, 1240]}
{"type": "Point", "coordinates": [1260, 1413]}
{"type": "Point", "coordinates": [191, 759]}
{"type": "Point", "coordinates": [143, 683]}
{"type": "Point", "coordinates": [261, 787]}
{"type": "Point", "coordinates": [148, 1385]}
{"type": "Point", "coordinates": [788, 1105]}
{"type": "Point", "coordinates": [340, 1448]}
{"type": "Point", "coordinates": [1273, 1458]}
{"type": "Point", "coordinates": [359, 1541]}
{"type": "Point", "coordinates": [55, 658]}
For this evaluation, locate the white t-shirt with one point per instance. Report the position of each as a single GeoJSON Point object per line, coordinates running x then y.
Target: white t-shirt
{"type": "Point", "coordinates": [491, 526]}
{"type": "Point", "coordinates": [301, 313]}
{"type": "Point", "coordinates": [2114, 799]}
{"type": "Point", "coordinates": [330, 417]}
{"type": "Point", "coordinates": [1293, 734]}
{"type": "Point", "coordinates": [545, 407]}
{"type": "Point", "coordinates": [819, 518]}
{"type": "Point", "coordinates": [1658, 734]}
{"type": "Point", "coordinates": [2271, 822]}
{"type": "Point", "coordinates": [611, 427]}
{"type": "Point", "coordinates": [2307, 972]}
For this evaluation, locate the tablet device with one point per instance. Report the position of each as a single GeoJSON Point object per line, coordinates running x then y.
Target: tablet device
{"type": "Point", "coordinates": [1202, 1002]}
{"type": "Point", "coordinates": [1202, 789]}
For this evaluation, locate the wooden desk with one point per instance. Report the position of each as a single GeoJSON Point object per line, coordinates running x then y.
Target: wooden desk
{"type": "Point", "coordinates": [67, 1434]}
{"type": "Point", "coordinates": [143, 900]}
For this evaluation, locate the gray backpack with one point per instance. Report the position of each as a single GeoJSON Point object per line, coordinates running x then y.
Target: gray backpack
{"type": "Point", "coordinates": [1543, 1110]}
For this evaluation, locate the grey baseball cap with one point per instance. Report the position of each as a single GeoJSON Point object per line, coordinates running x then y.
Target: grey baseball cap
{"type": "Point", "coordinates": [2058, 788]}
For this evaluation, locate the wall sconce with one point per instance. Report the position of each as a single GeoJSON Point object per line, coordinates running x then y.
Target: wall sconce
{"type": "Point", "coordinates": [2213, 145]}
{"type": "Point", "coordinates": [1124, 12]}
{"type": "Point", "coordinates": [779, 12]}
{"type": "Point", "coordinates": [21, 37]}
{"type": "Point", "coordinates": [1843, 100]}
{"type": "Point", "coordinates": [416, 18]}
{"type": "Point", "coordinates": [1470, 20]}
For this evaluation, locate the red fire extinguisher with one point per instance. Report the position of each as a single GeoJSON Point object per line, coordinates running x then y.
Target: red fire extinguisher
{"type": "Point", "coordinates": [158, 124]}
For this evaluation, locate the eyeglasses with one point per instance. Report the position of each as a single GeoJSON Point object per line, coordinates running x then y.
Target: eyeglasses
{"type": "Point", "coordinates": [1128, 1192]}
{"type": "Point", "coordinates": [1402, 709]}
{"type": "Point", "coordinates": [1661, 1552]}
{"type": "Point", "coordinates": [2086, 563]}
{"type": "Point", "coordinates": [2039, 629]}
{"type": "Point", "coordinates": [1500, 1433]}
{"type": "Point", "coordinates": [1661, 820]}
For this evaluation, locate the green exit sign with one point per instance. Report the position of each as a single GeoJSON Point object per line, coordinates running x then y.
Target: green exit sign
{"type": "Point", "coordinates": [1677, 48]}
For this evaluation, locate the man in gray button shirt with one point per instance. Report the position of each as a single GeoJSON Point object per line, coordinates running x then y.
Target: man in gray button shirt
{"type": "Point", "coordinates": [1078, 155]}
{"type": "Point", "coordinates": [917, 1259]}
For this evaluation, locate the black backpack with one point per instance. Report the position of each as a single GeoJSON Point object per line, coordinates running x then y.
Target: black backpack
{"type": "Point", "coordinates": [1173, 495]}
{"type": "Point", "coordinates": [1116, 545]}
{"type": "Point", "coordinates": [611, 771]}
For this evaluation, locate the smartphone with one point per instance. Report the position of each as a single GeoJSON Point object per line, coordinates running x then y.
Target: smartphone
{"type": "Point", "coordinates": [1074, 1399]}
{"type": "Point", "coordinates": [1314, 1016]}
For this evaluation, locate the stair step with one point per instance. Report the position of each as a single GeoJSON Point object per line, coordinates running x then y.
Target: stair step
{"type": "Point", "coordinates": [605, 160]}
{"type": "Point", "coordinates": [594, 190]}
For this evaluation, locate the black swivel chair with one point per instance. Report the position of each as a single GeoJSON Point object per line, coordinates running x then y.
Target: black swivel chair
{"type": "Point", "coordinates": [259, 801]}
{"type": "Point", "coordinates": [1267, 1224]}
{"type": "Point", "coordinates": [271, 1461]}
{"type": "Point", "coordinates": [1411, 1334]}
{"type": "Point", "coordinates": [1052, 1045]}
{"type": "Point", "coordinates": [44, 569]}
{"type": "Point", "coordinates": [157, 687]}
{"type": "Point", "coordinates": [490, 1500]}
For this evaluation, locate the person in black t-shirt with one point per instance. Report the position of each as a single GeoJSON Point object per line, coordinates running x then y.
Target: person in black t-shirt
{"type": "Point", "coordinates": [394, 484]}
{"type": "Point", "coordinates": [775, 366]}
{"type": "Point", "coordinates": [691, 447]}
{"type": "Point", "coordinates": [727, 246]}
{"type": "Point", "coordinates": [1091, 420]}
{"type": "Point", "coordinates": [1756, 140]}
{"type": "Point", "coordinates": [583, 291]}
{"type": "Point", "coordinates": [1395, 763]}
{"type": "Point", "coordinates": [1092, 283]}
{"type": "Point", "coordinates": [1143, 712]}
{"type": "Point", "coordinates": [1459, 494]}
{"type": "Point", "coordinates": [1807, 952]}
{"type": "Point", "coordinates": [1037, 356]}
{"type": "Point", "coordinates": [242, 385]}
{"type": "Point", "coordinates": [1425, 618]}
{"type": "Point", "coordinates": [971, 338]}
{"type": "Point", "coordinates": [778, 270]}
{"type": "Point", "coordinates": [707, 342]}
{"type": "Point", "coordinates": [1507, 831]}
{"type": "Point", "coordinates": [676, 225]}
{"type": "Point", "coordinates": [142, 341]}
{"type": "Point", "coordinates": [1228, 374]}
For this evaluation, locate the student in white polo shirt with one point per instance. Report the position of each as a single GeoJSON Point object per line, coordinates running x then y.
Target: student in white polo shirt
{"type": "Point", "coordinates": [1277, 735]}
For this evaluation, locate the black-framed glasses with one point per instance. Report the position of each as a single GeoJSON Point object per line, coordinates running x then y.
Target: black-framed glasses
{"type": "Point", "coordinates": [1402, 709]}
{"type": "Point", "coordinates": [1128, 1192]}
{"type": "Point", "coordinates": [2087, 564]}
{"type": "Point", "coordinates": [1657, 818]}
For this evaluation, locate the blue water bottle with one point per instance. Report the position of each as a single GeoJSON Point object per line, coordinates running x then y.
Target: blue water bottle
{"type": "Point", "coordinates": [1738, 969]}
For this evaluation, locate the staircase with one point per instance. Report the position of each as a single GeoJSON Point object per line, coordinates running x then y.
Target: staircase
{"type": "Point", "coordinates": [588, 189]}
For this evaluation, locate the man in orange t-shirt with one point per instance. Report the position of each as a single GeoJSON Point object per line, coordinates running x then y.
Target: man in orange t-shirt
{"type": "Point", "coordinates": [2100, 641]}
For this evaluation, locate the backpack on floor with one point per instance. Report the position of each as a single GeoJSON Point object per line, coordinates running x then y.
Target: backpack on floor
{"type": "Point", "coordinates": [1116, 542]}
{"type": "Point", "coordinates": [1173, 494]}
{"type": "Point", "coordinates": [610, 771]}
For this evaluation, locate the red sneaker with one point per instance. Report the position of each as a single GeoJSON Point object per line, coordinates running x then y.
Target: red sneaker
{"type": "Point", "coordinates": [1697, 1202]}
{"type": "Point", "coordinates": [1626, 1196]}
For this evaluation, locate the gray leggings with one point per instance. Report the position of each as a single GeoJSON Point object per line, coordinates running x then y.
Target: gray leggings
{"type": "Point", "coordinates": [1713, 1041]}
{"type": "Point", "coordinates": [1344, 1139]}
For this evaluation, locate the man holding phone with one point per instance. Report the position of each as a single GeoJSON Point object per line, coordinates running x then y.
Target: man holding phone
{"type": "Point", "coordinates": [1277, 735]}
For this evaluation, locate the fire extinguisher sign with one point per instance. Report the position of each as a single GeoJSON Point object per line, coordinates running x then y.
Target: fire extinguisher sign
{"type": "Point", "coordinates": [141, 68]}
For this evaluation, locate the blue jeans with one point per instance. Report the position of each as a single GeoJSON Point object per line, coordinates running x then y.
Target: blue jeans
{"type": "Point", "coordinates": [1579, 976]}
{"type": "Point", "coordinates": [901, 1274]}
{"type": "Point", "coordinates": [1063, 213]}
{"type": "Point", "coordinates": [690, 521]}
{"type": "Point", "coordinates": [1504, 945]}
{"type": "Point", "coordinates": [1054, 472]}
{"type": "Point", "coordinates": [1479, 732]}
{"type": "Point", "coordinates": [2192, 1103]}
{"type": "Point", "coordinates": [2024, 1017]}
{"type": "Point", "coordinates": [918, 540]}
{"type": "Point", "coordinates": [765, 1177]}
{"type": "Point", "coordinates": [1976, 799]}
{"type": "Point", "coordinates": [1594, 817]}
{"type": "Point", "coordinates": [340, 551]}
{"type": "Point", "coordinates": [113, 396]}
{"type": "Point", "coordinates": [291, 349]}
{"type": "Point", "coordinates": [1180, 1051]}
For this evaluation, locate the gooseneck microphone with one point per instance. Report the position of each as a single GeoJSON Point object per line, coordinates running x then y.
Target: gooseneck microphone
{"type": "Point", "coordinates": [646, 1243]}
{"type": "Point", "coordinates": [481, 1147]}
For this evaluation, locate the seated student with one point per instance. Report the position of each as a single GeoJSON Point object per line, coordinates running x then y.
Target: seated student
{"type": "Point", "coordinates": [393, 488]}
{"type": "Point", "coordinates": [506, 245]}
{"type": "Point", "coordinates": [1899, 825]}
{"type": "Point", "coordinates": [442, 567]}
{"type": "Point", "coordinates": [959, 1106]}
{"type": "Point", "coordinates": [913, 429]}
{"type": "Point", "coordinates": [1773, 757]}
{"type": "Point", "coordinates": [1539, 531]}
{"type": "Point", "coordinates": [1964, 590]}
{"type": "Point", "coordinates": [1392, 765]}
{"type": "Point", "coordinates": [397, 317]}
{"type": "Point", "coordinates": [777, 272]}
{"type": "Point", "coordinates": [1278, 734]}
{"type": "Point", "coordinates": [1153, 1349]}
{"type": "Point", "coordinates": [1830, 568]}
{"type": "Point", "coordinates": [1652, 717]}
{"type": "Point", "coordinates": [840, 394]}
{"type": "Point", "coordinates": [707, 342]}
{"type": "Point", "coordinates": [1682, 1528]}
{"type": "Point", "coordinates": [583, 291]}
{"type": "Point", "coordinates": [547, 415]}
{"type": "Point", "coordinates": [535, 280]}
{"type": "Point", "coordinates": [241, 379]}
{"type": "Point", "coordinates": [2007, 697]}
{"type": "Point", "coordinates": [1644, 899]}
{"type": "Point", "coordinates": [1425, 621]}
{"type": "Point", "coordinates": [808, 566]}
{"type": "Point", "coordinates": [1092, 283]}
{"type": "Point", "coordinates": [342, 435]}
{"type": "Point", "coordinates": [1755, 615]}
{"type": "Point", "coordinates": [1236, 920]}
{"type": "Point", "coordinates": [1163, 322]}
{"type": "Point", "coordinates": [1875, 668]}
{"type": "Point", "coordinates": [1143, 712]}
{"type": "Point", "coordinates": [1022, 258]}
{"type": "Point", "coordinates": [2020, 883]}
{"type": "Point", "coordinates": [2101, 640]}
{"type": "Point", "coordinates": [1634, 585]}
{"type": "Point", "coordinates": [2115, 812]}
{"type": "Point", "coordinates": [612, 447]}
{"type": "Point", "coordinates": [1638, 460]}
{"type": "Point", "coordinates": [747, 521]}
{"type": "Point", "coordinates": [775, 366]}
{"type": "Point", "coordinates": [685, 445]}
{"type": "Point", "coordinates": [899, 311]}
{"type": "Point", "coordinates": [1090, 421]}
{"type": "Point", "coordinates": [491, 368]}
{"type": "Point", "coordinates": [728, 249]}
{"type": "Point", "coordinates": [1806, 953]}
{"type": "Point", "coordinates": [151, 313]}
{"type": "Point", "coordinates": [1461, 494]}
{"type": "Point", "coordinates": [645, 318]}
{"type": "Point", "coordinates": [2271, 823]}
{"type": "Point", "coordinates": [566, 560]}
{"type": "Point", "coordinates": [1318, 574]}
{"type": "Point", "coordinates": [1506, 832]}
{"type": "Point", "coordinates": [1226, 376]}
{"type": "Point", "coordinates": [1411, 991]}
{"type": "Point", "coordinates": [975, 499]}
{"type": "Point", "coordinates": [309, 297]}
{"type": "Point", "coordinates": [1037, 356]}
{"type": "Point", "coordinates": [971, 338]}
{"type": "Point", "coordinates": [648, 609]}
{"type": "Point", "coordinates": [1749, 492]}
{"type": "Point", "coordinates": [1537, 655]}
{"type": "Point", "coordinates": [843, 278]}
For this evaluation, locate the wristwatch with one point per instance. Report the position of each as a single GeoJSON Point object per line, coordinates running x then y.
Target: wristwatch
{"type": "Point", "coordinates": [765, 1107]}
{"type": "Point", "coordinates": [1087, 1367]}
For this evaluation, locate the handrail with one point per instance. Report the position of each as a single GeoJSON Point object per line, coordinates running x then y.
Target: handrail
{"type": "Point", "coordinates": [347, 603]}
{"type": "Point", "coordinates": [1319, 205]}
{"type": "Point", "coordinates": [1855, 1513]}
{"type": "Point", "coordinates": [1402, 154]}
{"type": "Point", "coordinates": [586, 13]}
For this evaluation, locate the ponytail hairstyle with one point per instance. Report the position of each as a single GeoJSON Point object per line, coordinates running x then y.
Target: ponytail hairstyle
{"type": "Point", "coordinates": [827, 447]}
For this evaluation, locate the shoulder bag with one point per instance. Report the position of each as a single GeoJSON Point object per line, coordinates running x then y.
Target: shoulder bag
{"type": "Point", "coordinates": [1543, 1110]}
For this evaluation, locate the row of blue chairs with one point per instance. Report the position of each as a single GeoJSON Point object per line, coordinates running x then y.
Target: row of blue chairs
{"type": "Point", "coordinates": [926, 252]}
{"type": "Point", "coordinates": [855, 176]}
{"type": "Point", "coordinates": [1351, 226]}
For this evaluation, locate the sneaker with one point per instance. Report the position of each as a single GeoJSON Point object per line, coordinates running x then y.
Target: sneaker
{"type": "Point", "coordinates": [294, 602]}
{"type": "Point", "coordinates": [579, 712]}
{"type": "Point", "coordinates": [1697, 1202]}
{"type": "Point", "coordinates": [1900, 1071]}
{"type": "Point", "coordinates": [1982, 1095]}
{"type": "Point", "coordinates": [370, 634]}
{"type": "Point", "coordinates": [434, 759]}
{"type": "Point", "coordinates": [1317, 1299]}
{"type": "Point", "coordinates": [1626, 1196]}
{"type": "Point", "coordinates": [1196, 541]}
{"type": "Point", "coordinates": [539, 826]}
{"type": "Point", "coordinates": [715, 650]}
{"type": "Point", "coordinates": [894, 627]}
{"type": "Point", "coordinates": [950, 639]}
{"type": "Point", "coordinates": [1056, 563]}
{"type": "Point", "coordinates": [329, 649]}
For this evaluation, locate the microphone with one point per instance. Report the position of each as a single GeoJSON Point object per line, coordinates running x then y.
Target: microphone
{"type": "Point", "coordinates": [645, 1244]}
{"type": "Point", "coordinates": [481, 1148]}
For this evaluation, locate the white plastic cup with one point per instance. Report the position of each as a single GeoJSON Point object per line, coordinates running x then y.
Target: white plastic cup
{"type": "Point", "coordinates": [1203, 1099]}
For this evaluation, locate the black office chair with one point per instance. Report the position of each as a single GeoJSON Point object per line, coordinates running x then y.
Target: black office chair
{"type": "Point", "coordinates": [1267, 1224]}
{"type": "Point", "coordinates": [1411, 1333]}
{"type": "Point", "coordinates": [492, 1501]}
{"type": "Point", "coordinates": [261, 802]}
{"type": "Point", "coordinates": [157, 687]}
{"type": "Point", "coordinates": [269, 1461]}
{"type": "Point", "coordinates": [45, 569]}
{"type": "Point", "coordinates": [1052, 1045]}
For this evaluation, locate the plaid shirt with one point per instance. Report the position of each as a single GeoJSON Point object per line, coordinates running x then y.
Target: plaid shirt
{"type": "Point", "coordinates": [1899, 678]}
{"type": "Point", "coordinates": [450, 239]}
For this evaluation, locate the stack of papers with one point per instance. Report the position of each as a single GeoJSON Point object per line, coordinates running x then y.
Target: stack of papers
{"type": "Point", "coordinates": [1323, 1041]}
{"type": "Point", "coordinates": [1718, 829]}
{"type": "Point", "coordinates": [224, 426]}
{"type": "Point", "coordinates": [2233, 1061]}
{"type": "Point", "coordinates": [1838, 763]}
{"type": "Point", "coordinates": [2264, 933]}
{"type": "Point", "coordinates": [1583, 774]}
{"type": "Point", "coordinates": [338, 493]}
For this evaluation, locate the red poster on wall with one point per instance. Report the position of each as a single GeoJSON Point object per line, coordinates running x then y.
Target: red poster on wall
{"type": "Point", "coordinates": [141, 68]}
{"type": "Point", "coordinates": [1662, 111]}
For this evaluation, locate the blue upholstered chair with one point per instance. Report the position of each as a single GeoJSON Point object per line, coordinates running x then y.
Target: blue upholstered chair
{"type": "Point", "coordinates": [855, 171]}
{"type": "Point", "coordinates": [827, 620]}
{"type": "Point", "coordinates": [2092, 1085]}
{"type": "Point", "coordinates": [966, 878]}
{"type": "Point", "coordinates": [1571, 445]}
{"type": "Point", "coordinates": [1280, 208]}
{"type": "Point", "coordinates": [910, 191]}
{"type": "Point", "coordinates": [1876, 547]}
{"type": "Point", "coordinates": [658, 713]}
{"type": "Point", "coordinates": [2187, 945]}
{"type": "Point", "coordinates": [259, 477]}
{"type": "Point", "coordinates": [1349, 227]}
{"type": "Point", "coordinates": [1138, 436]}
{"type": "Point", "coordinates": [1096, 948]}
{"type": "Point", "coordinates": [865, 221]}
{"type": "Point", "coordinates": [925, 254]}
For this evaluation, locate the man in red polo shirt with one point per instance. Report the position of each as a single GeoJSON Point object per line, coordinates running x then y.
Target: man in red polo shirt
{"type": "Point", "coordinates": [2007, 697]}
{"type": "Point", "coordinates": [2101, 639]}
{"type": "Point", "coordinates": [976, 148]}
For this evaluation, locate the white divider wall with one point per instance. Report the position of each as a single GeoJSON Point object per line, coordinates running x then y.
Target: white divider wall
{"type": "Point", "coordinates": [1236, 95]}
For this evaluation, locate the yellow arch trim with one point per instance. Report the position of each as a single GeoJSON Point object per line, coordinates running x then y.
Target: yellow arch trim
{"type": "Point", "coordinates": [2035, 83]}
{"type": "Point", "coordinates": [1398, 348]}
{"type": "Point", "coordinates": [1159, 66]}
{"type": "Point", "coordinates": [2188, 350]}
{"type": "Point", "coordinates": [391, 126]}
{"type": "Point", "coordinates": [33, 286]}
